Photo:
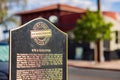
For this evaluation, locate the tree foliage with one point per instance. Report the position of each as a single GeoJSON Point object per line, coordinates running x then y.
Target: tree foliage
{"type": "Point", "coordinates": [7, 19]}
{"type": "Point", "coordinates": [92, 27]}
{"type": "Point", "coordinates": [4, 9]}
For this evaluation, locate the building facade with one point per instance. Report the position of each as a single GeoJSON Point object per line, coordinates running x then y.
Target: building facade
{"type": "Point", "coordinates": [67, 17]}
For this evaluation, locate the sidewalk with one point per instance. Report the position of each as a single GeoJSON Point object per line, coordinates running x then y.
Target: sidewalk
{"type": "Point", "coordinates": [107, 65]}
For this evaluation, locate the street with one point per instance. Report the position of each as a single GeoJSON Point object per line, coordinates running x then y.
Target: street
{"type": "Point", "coordinates": [92, 74]}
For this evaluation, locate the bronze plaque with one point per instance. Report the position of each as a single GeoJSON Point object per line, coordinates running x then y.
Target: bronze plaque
{"type": "Point", "coordinates": [38, 51]}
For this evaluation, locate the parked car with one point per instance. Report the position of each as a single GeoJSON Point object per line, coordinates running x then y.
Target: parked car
{"type": "Point", "coordinates": [4, 58]}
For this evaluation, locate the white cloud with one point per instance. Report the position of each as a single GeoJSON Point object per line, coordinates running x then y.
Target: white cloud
{"type": "Point", "coordinates": [91, 4]}
{"type": "Point", "coordinates": [105, 8]}
{"type": "Point", "coordinates": [63, 1]}
{"type": "Point", "coordinates": [78, 3]}
{"type": "Point", "coordinates": [84, 4]}
{"type": "Point", "coordinates": [106, 5]}
{"type": "Point", "coordinates": [113, 0]}
{"type": "Point", "coordinates": [40, 3]}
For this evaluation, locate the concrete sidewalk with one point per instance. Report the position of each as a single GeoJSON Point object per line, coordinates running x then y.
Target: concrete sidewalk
{"type": "Point", "coordinates": [107, 65]}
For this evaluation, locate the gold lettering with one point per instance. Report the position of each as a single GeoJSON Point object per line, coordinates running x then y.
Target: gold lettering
{"type": "Point", "coordinates": [41, 33]}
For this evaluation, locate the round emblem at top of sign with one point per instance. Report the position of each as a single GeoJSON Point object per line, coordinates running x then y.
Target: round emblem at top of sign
{"type": "Point", "coordinates": [41, 33]}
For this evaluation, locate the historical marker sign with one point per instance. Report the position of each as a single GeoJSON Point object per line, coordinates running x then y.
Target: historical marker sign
{"type": "Point", "coordinates": [38, 51]}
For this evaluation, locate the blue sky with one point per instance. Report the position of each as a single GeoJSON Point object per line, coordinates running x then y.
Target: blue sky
{"type": "Point", "coordinates": [106, 5]}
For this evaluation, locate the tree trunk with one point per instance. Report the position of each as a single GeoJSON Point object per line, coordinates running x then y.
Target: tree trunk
{"type": "Point", "coordinates": [95, 53]}
{"type": "Point", "coordinates": [98, 51]}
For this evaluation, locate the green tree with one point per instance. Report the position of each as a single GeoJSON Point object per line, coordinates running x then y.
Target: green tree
{"type": "Point", "coordinates": [92, 28]}
{"type": "Point", "coordinates": [4, 18]}
{"type": "Point", "coordinates": [4, 9]}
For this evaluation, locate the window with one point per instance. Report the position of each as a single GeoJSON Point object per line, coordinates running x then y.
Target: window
{"type": "Point", "coordinates": [106, 45]}
{"type": "Point", "coordinates": [117, 34]}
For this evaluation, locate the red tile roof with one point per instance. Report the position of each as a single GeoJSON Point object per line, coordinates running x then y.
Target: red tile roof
{"type": "Point", "coordinates": [110, 14]}
{"type": "Point", "coordinates": [63, 7]}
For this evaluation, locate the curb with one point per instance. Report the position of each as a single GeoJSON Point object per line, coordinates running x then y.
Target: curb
{"type": "Point", "coordinates": [96, 68]}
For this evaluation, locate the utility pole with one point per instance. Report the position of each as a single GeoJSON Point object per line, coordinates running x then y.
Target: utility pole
{"type": "Point", "coordinates": [98, 7]}
{"type": "Point", "coordinates": [100, 42]}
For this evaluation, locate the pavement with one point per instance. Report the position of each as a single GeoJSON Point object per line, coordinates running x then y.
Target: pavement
{"type": "Point", "coordinates": [106, 65]}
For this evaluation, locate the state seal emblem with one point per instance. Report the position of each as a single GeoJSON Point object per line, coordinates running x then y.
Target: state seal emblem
{"type": "Point", "coordinates": [41, 33]}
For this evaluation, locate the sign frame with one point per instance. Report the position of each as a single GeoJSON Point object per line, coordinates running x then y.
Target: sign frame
{"type": "Point", "coordinates": [10, 54]}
